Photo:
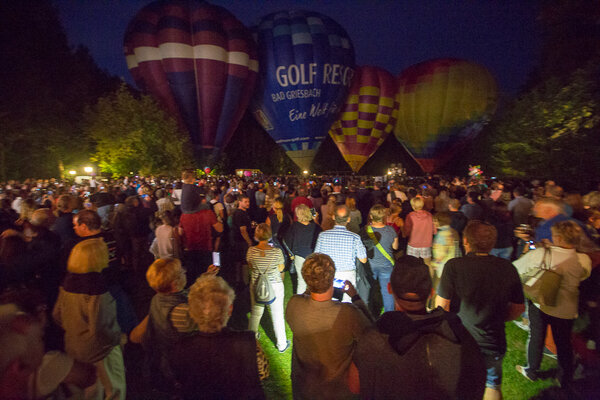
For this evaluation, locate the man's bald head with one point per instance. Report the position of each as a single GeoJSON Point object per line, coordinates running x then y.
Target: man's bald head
{"type": "Point", "coordinates": [342, 215]}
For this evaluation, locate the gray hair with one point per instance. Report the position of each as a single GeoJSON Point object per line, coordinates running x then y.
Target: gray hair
{"type": "Point", "coordinates": [210, 299]}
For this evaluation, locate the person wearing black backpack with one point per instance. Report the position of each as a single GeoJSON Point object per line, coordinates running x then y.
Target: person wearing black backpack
{"type": "Point", "coordinates": [411, 353]}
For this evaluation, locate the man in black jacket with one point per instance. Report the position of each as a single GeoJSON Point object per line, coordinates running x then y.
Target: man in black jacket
{"type": "Point", "coordinates": [412, 353]}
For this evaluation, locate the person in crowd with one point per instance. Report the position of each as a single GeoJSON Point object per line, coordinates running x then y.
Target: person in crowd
{"type": "Point", "coordinates": [264, 259]}
{"type": "Point", "coordinates": [301, 199]}
{"type": "Point", "coordinates": [377, 195]}
{"type": "Point", "coordinates": [325, 333]}
{"type": "Point", "coordinates": [396, 193]}
{"type": "Point", "coordinates": [411, 353]}
{"type": "Point", "coordinates": [380, 241]}
{"type": "Point", "coordinates": [301, 239]}
{"type": "Point", "coordinates": [58, 376]}
{"type": "Point", "coordinates": [393, 218]}
{"type": "Point", "coordinates": [242, 233]}
{"type": "Point", "coordinates": [573, 267]}
{"type": "Point", "coordinates": [446, 245]}
{"type": "Point", "coordinates": [216, 362]}
{"type": "Point", "coordinates": [459, 220]}
{"type": "Point", "coordinates": [167, 321]}
{"type": "Point", "coordinates": [520, 207]}
{"type": "Point", "coordinates": [8, 216]}
{"type": "Point", "coordinates": [343, 246]}
{"type": "Point", "coordinates": [167, 241]}
{"type": "Point", "coordinates": [198, 231]}
{"type": "Point", "coordinates": [489, 291]}
{"type": "Point", "coordinates": [132, 229]}
{"type": "Point", "coordinates": [472, 209]}
{"type": "Point", "coordinates": [63, 225]}
{"type": "Point", "coordinates": [328, 213]}
{"type": "Point", "coordinates": [501, 219]}
{"type": "Point", "coordinates": [442, 201]}
{"type": "Point", "coordinates": [163, 202]}
{"type": "Point", "coordinates": [21, 351]}
{"type": "Point", "coordinates": [103, 202]}
{"type": "Point", "coordinates": [279, 222]}
{"type": "Point", "coordinates": [419, 229]}
{"type": "Point", "coordinates": [355, 216]}
{"type": "Point", "coordinates": [190, 193]}
{"type": "Point", "coordinates": [88, 314]}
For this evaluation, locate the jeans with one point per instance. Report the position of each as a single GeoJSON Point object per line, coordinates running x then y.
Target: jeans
{"type": "Point", "coordinates": [383, 276]}
{"type": "Point", "coordinates": [504, 252]}
{"type": "Point", "coordinates": [298, 261]}
{"type": "Point", "coordinates": [561, 332]}
{"type": "Point", "coordinates": [276, 308]}
{"type": "Point", "coordinates": [493, 366]}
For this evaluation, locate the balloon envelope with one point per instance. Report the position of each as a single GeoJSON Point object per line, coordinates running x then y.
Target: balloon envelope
{"type": "Point", "coordinates": [307, 62]}
{"type": "Point", "coordinates": [442, 104]}
{"type": "Point", "coordinates": [198, 61]}
{"type": "Point", "coordinates": [368, 115]}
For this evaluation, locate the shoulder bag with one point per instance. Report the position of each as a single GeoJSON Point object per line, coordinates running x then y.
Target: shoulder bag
{"type": "Point", "coordinates": [541, 284]}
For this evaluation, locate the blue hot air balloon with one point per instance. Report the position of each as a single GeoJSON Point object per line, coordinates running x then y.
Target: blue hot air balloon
{"type": "Point", "coordinates": [306, 66]}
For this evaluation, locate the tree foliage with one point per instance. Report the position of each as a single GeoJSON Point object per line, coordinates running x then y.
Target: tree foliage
{"type": "Point", "coordinates": [45, 87]}
{"type": "Point", "coordinates": [552, 130]}
{"type": "Point", "coordinates": [133, 134]}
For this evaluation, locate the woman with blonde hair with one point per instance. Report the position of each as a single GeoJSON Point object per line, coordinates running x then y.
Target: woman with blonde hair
{"type": "Point", "coordinates": [419, 229]}
{"type": "Point", "coordinates": [88, 314]}
{"type": "Point", "coordinates": [573, 267]}
{"type": "Point", "coordinates": [264, 259]}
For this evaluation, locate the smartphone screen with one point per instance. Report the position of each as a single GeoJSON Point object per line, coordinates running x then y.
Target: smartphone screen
{"type": "Point", "coordinates": [216, 258]}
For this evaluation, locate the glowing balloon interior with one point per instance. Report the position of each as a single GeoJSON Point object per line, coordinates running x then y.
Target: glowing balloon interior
{"type": "Point", "coordinates": [307, 63]}
{"type": "Point", "coordinates": [367, 117]}
{"type": "Point", "coordinates": [198, 61]}
{"type": "Point", "coordinates": [442, 104]}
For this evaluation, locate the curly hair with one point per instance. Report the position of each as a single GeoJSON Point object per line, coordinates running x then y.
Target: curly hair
{"type": "Point", "coordinates": [210, 300]}
{"type": "Point", "coordinates": [569, 232]}
{"type": "Point", "coordinates": [318, 271]}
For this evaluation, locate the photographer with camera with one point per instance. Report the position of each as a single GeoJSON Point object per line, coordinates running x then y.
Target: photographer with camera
{"type": "Point", "coordinates": [325, 332]}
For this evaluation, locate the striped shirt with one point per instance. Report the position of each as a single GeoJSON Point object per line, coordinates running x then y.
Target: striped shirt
{"type": "Point", "coordinates": [343, 246]}
{"type": "Point", "coordinates": [266, 261]}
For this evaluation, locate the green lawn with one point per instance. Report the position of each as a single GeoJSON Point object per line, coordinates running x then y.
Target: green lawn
{"type": "Point", "coordinates": [278, 385]}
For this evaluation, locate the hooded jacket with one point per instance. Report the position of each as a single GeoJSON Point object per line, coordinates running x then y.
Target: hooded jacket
{"type": "Point", "coordinates": [419, 356]}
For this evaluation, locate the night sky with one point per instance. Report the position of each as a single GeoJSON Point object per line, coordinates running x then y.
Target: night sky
{"type": "Point", "coordinates": [502, 35]}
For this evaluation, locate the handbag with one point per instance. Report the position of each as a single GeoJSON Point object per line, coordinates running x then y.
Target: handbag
{"type": "Point", "coordinates": [542, 283]}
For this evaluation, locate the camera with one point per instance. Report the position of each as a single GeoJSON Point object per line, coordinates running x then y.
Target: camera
{"type": "Point", "coordinates": [313, 212]}
{"type": "Point", "coordinates": [531, 245]}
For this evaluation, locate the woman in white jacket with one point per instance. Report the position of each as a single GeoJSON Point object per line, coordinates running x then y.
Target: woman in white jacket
{"type": "Point", "coordinates": [573, 268]}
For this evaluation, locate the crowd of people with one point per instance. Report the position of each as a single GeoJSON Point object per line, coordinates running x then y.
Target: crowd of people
{"type": "Point", "coordinates": [400, 288]}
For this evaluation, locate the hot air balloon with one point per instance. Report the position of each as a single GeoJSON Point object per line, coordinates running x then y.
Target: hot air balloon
{"type": "Point", "coordinates": [307, 62]}
{"type": "Point", "coordinates": [442, 104]}
{"type": "Point", "coordinates": [198, 61]}
{"type": "Point", "coordinates": [367, 117]}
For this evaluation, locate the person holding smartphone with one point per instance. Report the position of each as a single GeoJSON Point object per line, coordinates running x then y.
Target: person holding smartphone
{"type": "Point", "coordinates": [325, 332]}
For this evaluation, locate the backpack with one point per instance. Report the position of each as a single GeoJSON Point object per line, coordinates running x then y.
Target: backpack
{"type": "Point", "coordinates": [263, 291]}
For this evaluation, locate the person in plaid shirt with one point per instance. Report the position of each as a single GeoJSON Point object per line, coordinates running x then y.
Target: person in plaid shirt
{"type": "Point", "coordinates": [343, 246]}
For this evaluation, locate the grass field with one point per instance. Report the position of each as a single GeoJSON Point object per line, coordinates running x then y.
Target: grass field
{"type": "Point", "coordinates": [278, 385]}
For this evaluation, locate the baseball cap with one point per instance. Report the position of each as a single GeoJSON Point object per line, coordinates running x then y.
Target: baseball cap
{"type": "Point", "coordinates": [411, 275]}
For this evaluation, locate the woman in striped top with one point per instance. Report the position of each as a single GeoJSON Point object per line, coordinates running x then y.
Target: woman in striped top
{"type": "Point", "coordinates": [268, 260]}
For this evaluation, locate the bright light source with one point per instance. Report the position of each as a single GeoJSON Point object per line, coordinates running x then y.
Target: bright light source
{"type": "Point", "coordinates": [88, 170]}
{"type": "Point", "coordinates": [305, 172]}
{"type": "Point", "coordinates": [72, 172]}
{"type": "Point", "coordinates": [389, 172]}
